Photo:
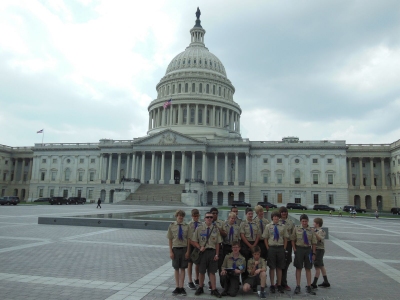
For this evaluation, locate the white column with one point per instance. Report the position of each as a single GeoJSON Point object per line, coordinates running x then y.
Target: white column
{"type": "Point", "coordinates": [162, 167]}
{"type": "Point", "coordinates": [128, 158]}
{"type": "Point", "coordinates": [371, 162]}
{"type": "Point", "coordinates": [153, 155]}
{"type": "Point", "coordinates": [361, 173]}
{"type": "Point", "coordinates": [221, 117]}
{"type": "Point", "coordinates": [236, 168]}
{"type": "Point", "coordinates": [203, 167]}
{"type": "Point", "coordinates": [383, 173]}
{"type": "Point", "coordinates": [163, 117]}
{"type": "Point", "coordinates": [101, 167]}
{"type": "Point", "coordinates": [109, 167]}
{"type": "Point", "coordinates": [133, 173]}
{"type": "Point", "coordinates": [350, 173]}
{"type": "Point", "coordinates": [213, 116]}
{"type": "Point", "coordinates": [150, 113]}
{"type": "Point", "coordinates": [30, 169]}
{"type": "Point", "coordinates": [15, 169]}
{"type": "Point", "coordinates": [226, 169]}
{"type": "Point", "coordinates": [142, 175]}
{"type": "Point", "coordinates": [196, 116]}
{"type": "Point", "coordinates": [193, 164]}
{"type": "Point", "coordinates": [172, 179]}
{"type": "Point", "coordinates": [247, 170]}
{"type": "Point", "coordinates": [118, 169]}
{"type": "Point", "coordinates": [179, 115]}
{"type": "Point", "coordinates": [215, 168]}
{"type": "Point", "coordinates": [183, 168]}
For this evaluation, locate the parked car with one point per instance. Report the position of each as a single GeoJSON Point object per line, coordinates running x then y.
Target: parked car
{"type": "Point", "coordinates": [267, 205]}
{"type": "Point", "coordinates": [42, 200]}
{"type": "Point", "coordinates": [14, 200]}
{"type": "Point", "coordinates": [295, 206]}
{"type": "Point", "coordinates": [323, 207]}
{"type": "Point", "coordinates": [76, 200]}
{"type": "Point", "coordinates": [241, 203]}
{"type": "Point", "coordinates": [395, 210]}
{"type": "Point", "coordinates": [58, 200]}
{"type": "Point", "coordinates": [347, 208]}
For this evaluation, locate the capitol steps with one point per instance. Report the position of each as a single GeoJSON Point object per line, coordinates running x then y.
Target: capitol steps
{"type": "Point", "coordinates": [156, 194]}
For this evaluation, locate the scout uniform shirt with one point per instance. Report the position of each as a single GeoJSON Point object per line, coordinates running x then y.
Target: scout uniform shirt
{"type": "Point", "coordinates": [200, 236]}
{"type": "Point", "coordinates": [261, 265]}
{"type": "Point", "coordinates": [234, 263]}
{"type": "Point", "coordinates": [297, 235]}
{"type": "Point", "coordinates": [245, 229]}
{"type": "Point", "coordinates": [231, 236]}
{"type": "Point", "coordinates": [269, 234]}
{"type": "Point", "coordinates": [219, 224]}
{"type": "Point", "coordinates": [289, 225]}
{"type": "Point", "coordinates": [173, 234]}
{"type": "Point", "coordinates": [261, 224]}
{"type": "Point", "coordinates": [238, 221]}
{"type": "Point", "coordinates": [192, 228]}
{"type": "Point", "coordinates": [321, 233]}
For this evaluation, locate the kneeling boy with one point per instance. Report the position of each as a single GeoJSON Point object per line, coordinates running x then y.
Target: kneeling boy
{"type": "Point", "coordinates": [257, 269]}
{"type": "Point", "coordinates": [233, 265]}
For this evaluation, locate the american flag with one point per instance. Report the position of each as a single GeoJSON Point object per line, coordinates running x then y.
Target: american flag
{"type": "Point", "coordinates": [167, 103]}
{"type": "Point", "coordinates": [40, 131]}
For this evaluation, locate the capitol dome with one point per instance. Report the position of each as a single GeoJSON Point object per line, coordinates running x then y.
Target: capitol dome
{"type": "Point", "coordinates": [195, 96]}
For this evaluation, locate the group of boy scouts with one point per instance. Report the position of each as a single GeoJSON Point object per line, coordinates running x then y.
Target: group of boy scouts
{"type": "Point", "coordinates": [240, 251]}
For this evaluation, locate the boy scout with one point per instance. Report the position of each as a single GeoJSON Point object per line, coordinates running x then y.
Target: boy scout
{"type": "Point", "coordinates": [275, 238]}
{"type": "Point", "coordinates": [179, 250]}
{"type": "Point", "coordinates": [234, 264]}
{"type": "Point", "coordinates": [304, 244]}
{"type": "Point", "coordinates": [261, 222]}
{"type": "Point", "coordinates": [207, 239]}
{"type": "Point", "coordinates": [235, 210]}
{"type": "Point", "coordinates": [257, 269]}
{"type": "Point", "coordinates": [249, 234]}
{"type": "Point", "coordinates": [220, 226]}
{"type": "Point", "coordinates": [319, 258]}
{"type": "Point", "coordinates": [285, 220]}
{"type": "Point", "coordinates": [192, 227]}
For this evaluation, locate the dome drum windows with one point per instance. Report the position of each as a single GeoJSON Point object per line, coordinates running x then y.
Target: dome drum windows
{"type": "Point", "coordinates": [200, 88]}
{"type": "Point", "coordinates": [200, 116]}
{"type": "Point", "coordinates": [179, 88]}
{"type": "Point", "coordinates": [193, 87]}
{"type": "Point", "coordinates": [213, 89]}
{"type": "Point", "coordinates": [184, 116]}
{"type": "Point", "coordinates": [192, 115]}
{"type": "Point", "coordinates": [186, 87]}
{"type": "Point", "coordinates": [207, 88]}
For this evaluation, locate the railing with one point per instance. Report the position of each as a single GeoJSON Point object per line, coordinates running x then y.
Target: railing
{"type": "Point", "coordinates": [194, 181]}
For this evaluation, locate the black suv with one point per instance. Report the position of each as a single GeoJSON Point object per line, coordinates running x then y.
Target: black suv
{"type": "Point", "coordinates": [267, 205]}
{"type": "Point", "coordinates": [395, 210]}
{"type": "Point", "coordinates": [76, 200]}
{"type": "Point", "coordinates": [347, 208]}
{"type": "Point", "coordinates": [9, 200]}
{"type": "Point", "coordinates": [295, 206]}
{"type": "Point", "coordinates": [42, 200]}
{"type": "Point", "coordinates": [58, 200]}
{"type": "Point", "coordinates": [241, 203]}
{"type": "Point", "coordinates": [323, 207]}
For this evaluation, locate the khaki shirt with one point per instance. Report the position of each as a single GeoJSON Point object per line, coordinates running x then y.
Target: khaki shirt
{"type": "Point", "coordinates": [297, 235]}
{"type": "Point", "coordinates": [265, 222]}
{"type": "Point", "coordinates": [269, 234]}
{"type": "Point", "coordinates": [192, 229]}
{"type": "Point", "coordinates": [236, 233]}
{"type": "Point", "coordinates": [321, 233]}
{"type": "Point", "coordinates": [219, 224]}
{"type": "Point", "coordinates": [245, 229]}
{"type": "Point", "coordinates": [172, 234]}
{"type": "Point", "coordinates": [240, 262]}
{"type": "Point", "coordinates": [200, 236]}
{"type": "Point", "coordinates": [289, 225]}
{"type": "Point", "coordinates": [261, 265]}
{"type": "Point", "coordinates": [238, 221]}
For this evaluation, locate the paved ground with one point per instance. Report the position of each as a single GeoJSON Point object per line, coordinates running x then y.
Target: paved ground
{"type": "Point", "coordinates": [71, 262]}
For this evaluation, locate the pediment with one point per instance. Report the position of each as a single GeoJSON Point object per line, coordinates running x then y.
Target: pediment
{"type": "Point", "coordinates": [168, 137]}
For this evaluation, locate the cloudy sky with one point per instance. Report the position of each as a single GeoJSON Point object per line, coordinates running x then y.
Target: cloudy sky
{"type": "Point", "coordinates": [85, 70]}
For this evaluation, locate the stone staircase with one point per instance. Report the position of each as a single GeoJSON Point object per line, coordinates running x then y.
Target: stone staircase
{"type": "Point", "coordinates": [156, 194]}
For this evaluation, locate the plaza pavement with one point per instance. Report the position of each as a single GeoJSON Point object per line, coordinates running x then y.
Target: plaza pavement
{"type": "Point", "coordinates": [72, 262]}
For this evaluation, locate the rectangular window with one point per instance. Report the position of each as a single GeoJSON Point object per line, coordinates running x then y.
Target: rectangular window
{"type": "Point", "coordinates": [79, 193]}
{"type": "Point", "coordinates": [51, 192]}
{"type": "Point", "coordinates": [329, 160]}
{"type": "Point", "coordinates": [90, 194]}
{"type": "Point", "coordinates": [297, 180]}
{"type": "Point", "coordinates": [25, 176]}
{"type": "Point", "coordinates": [65, 193]}
{"type": "Point", "coordinates": [364, 181]}
{"type": "Point", "coordinates": [265, 178]}
{"type": "Point", "coordinates": [4, 176]}
{"type": "Point", "coordinates": [43, 160]}
{"type": "Point", "coordinates": [316, 200]}
{"type": "Point", "coordinates": [6, 162]}
{"type": "Point", "coordinates": [354, 181]}
{"type": "Point", "coordinates": [363, 164]}
{"type": "Point", "coordinates": [40, 192]}
{"type": "Point", "coordinates": [53, 176]}
{"type": "Point", "coordinates": [279, 160]}
{"type": "Point", "coordinates": [375, 181]}
{"type": "Point", "coordinates": [373, 164]}
{"type": "Point", "coordinates": [54, 160]}
{"type": "Point", "coordinates": [81, 160]}
{"type": "Point", "coordinates": [330, 178]}
{"type": "Point", "coordinates": [315, 178]}
{"type": "Point", "coordinates": [315, 160]}
{"type": "Point", "coordinates": [92, 160]}
{"type": "Point", "coordinates": [352, 165]}
{"type": "Point", "coordinates": [80, 176]}
{"type": "Point", "coordinates": [279, 197]}
{"type": "Point", "coordinates": [265, 160]}
{"type": "Point", "coordinates": [279, 178]}
{"type": "Point", "coordinates": [12, 177]}
{"type": "Point", "coordinates": [297, 200]}
{"type": "Point", "coordinates": [91, 176]}
{"type": "Point", "coordinates": [330, 199]}
{"type": "Point", "coordinates": [42, 176]}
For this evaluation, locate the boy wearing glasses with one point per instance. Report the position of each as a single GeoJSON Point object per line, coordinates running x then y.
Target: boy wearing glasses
{"type": "Point", "coordinates": [179, 250]}
{"type": "Point", "coordinates": [192, 228]}
{"type": "Point", "coordinates": [207, 239]}
{"type": "Point", "coordinates": [233, 265]}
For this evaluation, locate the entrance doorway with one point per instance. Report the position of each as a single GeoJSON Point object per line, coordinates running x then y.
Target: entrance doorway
{"type": "Point", "coordinates": [230, 198]}
{"type": "Point", "coordinates": [111, 196]}
{"type": "Point", "coordinates": [177, 176]}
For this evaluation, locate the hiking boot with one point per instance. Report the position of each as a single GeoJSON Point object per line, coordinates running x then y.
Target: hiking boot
{"type": "Point", "coordinates": [287, 288]}
{"type": "Point", "coordinates": [309, 290]}
{"type": "Point", "coordinates": [176, 291]}
{"type": "Point", "coordinates": [297, 290]}
{"type": "Point", "coordinates": [263, 295]}
{"type": "Point", "coordinates": [324, 284]}
{"type": "Point", "coordinates": [272, 289]}
{"type": "Point", "coordinates": [183, 292]}
{"type": "Point", "coordinates": [196, 282]}
{"type": "Point", "coordinates": [216, 293]}
{"type": "Point", "coordinates": [209, 286]}
{"type": "Point", "coordinates": [314, 286]}
{"type": "Point", "coordinates": [199, 291]}
{"type": "Point", "coordinates": [281, 289]}
{"type": "Point", "coordinates": [191, 286]}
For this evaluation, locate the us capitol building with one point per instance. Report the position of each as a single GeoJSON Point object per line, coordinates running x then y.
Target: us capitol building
{"type": "Point", "coordinates": [194, 153]}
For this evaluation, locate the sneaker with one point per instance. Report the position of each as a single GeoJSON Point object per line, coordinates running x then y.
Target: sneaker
{"type": "Point", "coordinates": [281, 289]}
{"type": "Point", "coordinates": [272, 289]}
{"type": "Point", "coordinates": [216, 293]}
{"type": "Point", "coordinates": [176, 291]}
{"type": "Point", "coordinates": [199, 291]}
{"type": "Point", "coordinates": [263, 295]}
{"type": "Point", "coordinates": [309, 290]}
{"type": "Point", "coordinates": [183, 292]}
{"type": "Point", "coordinates": [196, 282]}
{"type": "Point", "coordinates": [191, 286]}
{"type": "Point", "coordinates": [209, 286]}
{"type": "Point", "coordinates": [314, 286]}
{"type": "Point", "coordinates": [287, 288]}
{"type": "Point", "coordinates": [297, 290]}
{"type": "Point", "coordinates": [324, 284]}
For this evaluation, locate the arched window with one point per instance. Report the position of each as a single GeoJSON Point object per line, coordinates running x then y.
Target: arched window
{"type": "Point", "coordinates": [219, 91]}
{"type": "Point", "coordinates": [173, 89]}
{"type": "Point", "coordinates": [192, 113]}
{"type": "Point", "coordinates": [193, 87]}
{"type": "Point", "coordinates": [207, 88]}
{"type": "Point", "coordinates": [179, 88]}
{"type": "Point", "coordinates": [224, 93]}
{"type": "Point", "coordinates": [186, 87]}
{"type": "Point", "coordinates": [185, 116]}
{"type": "Point", "coordinates": [200, 116]}
{"type": "Point", "coordinates": [200, 88]}
{"type": "Point", "coordinates": [213, 89]}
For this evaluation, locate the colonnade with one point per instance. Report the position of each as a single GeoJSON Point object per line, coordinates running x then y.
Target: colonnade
{"type": "Point", "coordinates": [19, 164]}
{"type": "Point", "coordinates": [371, 172]}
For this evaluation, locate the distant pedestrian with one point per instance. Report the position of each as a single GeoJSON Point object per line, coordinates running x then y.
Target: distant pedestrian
{"type": "Point", "coordinates": [330, 213]}
{"type": "Point", "coordinates": [340, 212]}
{"type": "Point", "coordinates": [376, 214]}
{"type": "Point", "coordinates": [98, 203]}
